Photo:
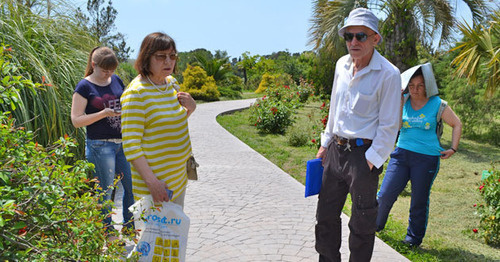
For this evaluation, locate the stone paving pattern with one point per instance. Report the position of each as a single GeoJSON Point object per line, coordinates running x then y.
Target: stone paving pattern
{"type": "Point", "coordinates": [245, 208]}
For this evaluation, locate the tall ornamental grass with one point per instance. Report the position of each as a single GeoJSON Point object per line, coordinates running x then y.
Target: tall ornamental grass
{"type": "Point", "coordinates": [52, 48]}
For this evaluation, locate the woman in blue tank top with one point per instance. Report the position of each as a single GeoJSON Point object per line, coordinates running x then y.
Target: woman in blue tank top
{"type": "Point", "coordinates": [418, 151]}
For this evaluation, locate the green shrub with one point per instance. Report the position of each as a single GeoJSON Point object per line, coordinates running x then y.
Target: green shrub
{"type": "Point", "coordinates": [479, 115]}
{"type": "Point", "coordinates": [199, 85]}
{"type": "Point", "coordinates": [489, 209]}
{"type": "Point", "coordinates": [305, 90]}
{"type": "Point", "coordinates": [297, 136]}
{"type": "Point", "coordinates": [48, 208]}
{"type": "Point", "coordinates": [253, 82]}
{"type": "Point", "coordinates": [231, 86]}
{"type": "Point", "coordinates": [11, 81]}
{"type": "Point", "coordinates": [271, 116]}
{"type": "Point", "coordinates": [232, 91]}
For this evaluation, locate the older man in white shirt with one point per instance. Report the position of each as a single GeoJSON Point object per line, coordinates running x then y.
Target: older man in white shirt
{"type": "Point", "coordinates": [359, 136]}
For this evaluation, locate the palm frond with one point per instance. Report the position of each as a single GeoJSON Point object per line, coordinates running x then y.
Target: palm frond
{"type": "Point", "coordinates": [477, 8]}
{"type": "Point", "coordinates": [480, 50]}
{"type": "Point", "coordinates": [328, 18]}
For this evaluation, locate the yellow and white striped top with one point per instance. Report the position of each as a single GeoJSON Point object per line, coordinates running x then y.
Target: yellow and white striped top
{"type": "Point", "coordinates": [155, 125]}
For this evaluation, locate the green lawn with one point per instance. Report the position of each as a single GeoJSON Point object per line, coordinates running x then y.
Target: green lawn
{"type": "Point", "coordinates": [451, 219]}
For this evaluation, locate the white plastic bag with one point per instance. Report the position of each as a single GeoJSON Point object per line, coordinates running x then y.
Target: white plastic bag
{"type": "Point", "coordinates": [163, 234]}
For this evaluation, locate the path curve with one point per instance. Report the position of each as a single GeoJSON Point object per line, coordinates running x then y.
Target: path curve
{"type": "Point", "coordinates": [245, 208]}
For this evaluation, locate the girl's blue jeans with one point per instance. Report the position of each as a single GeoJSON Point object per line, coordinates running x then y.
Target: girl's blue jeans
{"type": "Point", "coordinates": [110, 162]}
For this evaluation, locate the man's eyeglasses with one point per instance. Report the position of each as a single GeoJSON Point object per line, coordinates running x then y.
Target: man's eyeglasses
{"type": "Point", "coordinates": [163, 57]}
{"type": "Point", "coordinates": [361, 37]}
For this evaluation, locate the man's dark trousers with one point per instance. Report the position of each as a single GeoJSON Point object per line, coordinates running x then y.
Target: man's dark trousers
{"type": "Point", "coordinates": [346, 171]}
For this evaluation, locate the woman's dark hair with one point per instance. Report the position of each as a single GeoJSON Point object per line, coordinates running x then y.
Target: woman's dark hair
{"type": "Point", "coordinates": [102, 57]}
{"type": "Point", "coordinates": [152, 43]}
{"type": "Point", "coordinates": [417, 73]}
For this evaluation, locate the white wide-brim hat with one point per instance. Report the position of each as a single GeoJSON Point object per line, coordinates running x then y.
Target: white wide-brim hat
{"type": "Point", "coordinates": [361, 17]}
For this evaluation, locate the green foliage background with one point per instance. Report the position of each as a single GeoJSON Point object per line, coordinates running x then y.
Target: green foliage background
{"type": "Point", "coordinates": [48, 205]}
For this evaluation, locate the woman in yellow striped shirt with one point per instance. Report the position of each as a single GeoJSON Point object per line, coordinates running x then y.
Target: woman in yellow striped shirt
{"type": "Point", "coordinates": [154, 123]}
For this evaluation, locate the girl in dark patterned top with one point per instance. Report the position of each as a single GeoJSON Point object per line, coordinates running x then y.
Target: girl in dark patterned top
{"type": "Point", "coordinates": [96, 105]}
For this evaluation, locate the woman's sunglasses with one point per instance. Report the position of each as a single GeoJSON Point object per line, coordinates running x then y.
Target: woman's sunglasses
{"type": "Point", "coordinates": [163, 57]}
{"type": "Point", "coordinates": [361, 37]}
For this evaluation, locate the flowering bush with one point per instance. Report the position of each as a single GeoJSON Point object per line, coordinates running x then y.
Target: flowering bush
{"type": "Point", "coordinates": [305, 90]}
{"type": "Point", "coordinates": [270, 81]}
{"type": "Point", "coordinates": [319, 124]}
{"type": "Point", "coordinates": [489, 210]}
{"type": "Point", "coordinates": [271, 116]}
{"type": "Point", "coordinates": [48, 209]}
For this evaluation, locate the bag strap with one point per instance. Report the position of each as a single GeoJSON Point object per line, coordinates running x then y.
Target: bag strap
{"type": "Point", "coordinates": [442, 106]}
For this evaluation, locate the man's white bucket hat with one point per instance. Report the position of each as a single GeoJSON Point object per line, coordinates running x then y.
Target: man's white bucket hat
{"type": "Point", "coordinates": [361, 17]}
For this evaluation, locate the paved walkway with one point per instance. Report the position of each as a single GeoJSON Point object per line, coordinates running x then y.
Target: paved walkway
{"type": "Point", "coordinates": [243, 207]}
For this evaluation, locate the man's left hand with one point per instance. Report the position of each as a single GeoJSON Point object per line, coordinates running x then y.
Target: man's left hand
{"type": "Point", "coordinates": [370, 165]}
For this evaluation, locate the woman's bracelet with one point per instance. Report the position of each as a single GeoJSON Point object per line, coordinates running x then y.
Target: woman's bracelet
{"type": "Point", "coordinates": [454, 150]}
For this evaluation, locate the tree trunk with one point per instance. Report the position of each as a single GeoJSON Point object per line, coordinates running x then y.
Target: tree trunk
{"type": "Point", "coordinates": [400, 42]}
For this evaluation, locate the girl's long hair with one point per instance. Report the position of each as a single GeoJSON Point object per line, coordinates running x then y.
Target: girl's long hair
{"type": "Point", "coordinates": [103, 57]}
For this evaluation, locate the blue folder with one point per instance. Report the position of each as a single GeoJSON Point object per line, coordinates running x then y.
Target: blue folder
{"type": "Point", "coordinates": [314, 175]}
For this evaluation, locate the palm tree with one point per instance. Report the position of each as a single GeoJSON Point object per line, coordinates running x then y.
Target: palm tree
{"type": "Point", "coordinates": [480, 48]}
{"type": "Point", "coordinates": [219, 68]}
{"type": "Point", "coordinates": [406, 23]}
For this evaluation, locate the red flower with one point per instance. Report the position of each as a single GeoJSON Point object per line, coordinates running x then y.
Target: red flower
{"type": "Point", "coordinates": [474, 230]}
{"type": "Point", "coordinates": [324, 120]}
{"type": "Point", "coordinates": [313, 140]}
{"type": "Point", "coordinates": [475, 205]}
{"type": "Point", "coordinates": [274, 110]}
{"type": "Point", "coordinates": [43, 79]}
{"type": "Point", "coordinates": [8, 49]}
{"type": "Point", "coordinates": [481, 187]}
{"type": "Point", "coordinates": [322, 106]}
{"type": "Point", "coordinates": [22, 231]}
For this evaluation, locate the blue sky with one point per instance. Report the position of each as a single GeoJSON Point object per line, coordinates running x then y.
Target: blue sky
{"type": "Point", "coordinates": [257, 26]}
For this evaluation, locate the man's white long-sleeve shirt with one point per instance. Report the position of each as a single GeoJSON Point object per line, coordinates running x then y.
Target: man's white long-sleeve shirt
{"type": "Point", "coordinates": [366, 105]}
